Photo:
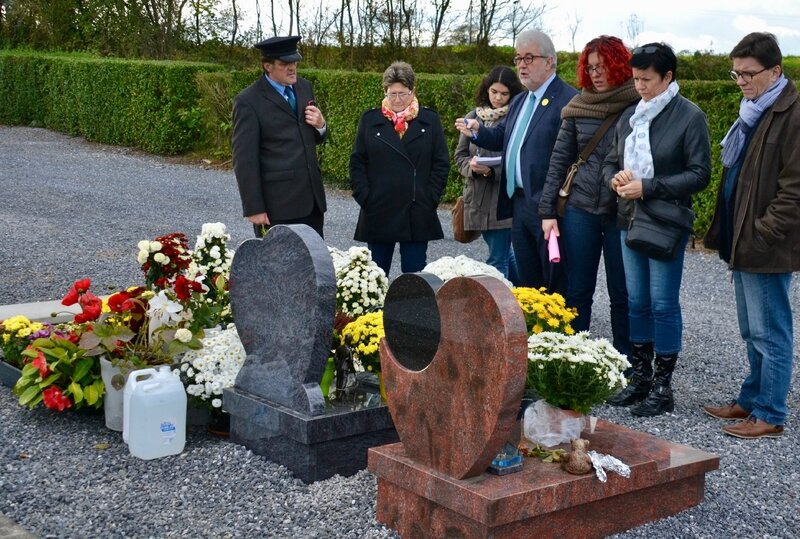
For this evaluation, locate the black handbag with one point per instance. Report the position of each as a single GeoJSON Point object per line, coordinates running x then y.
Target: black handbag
{"type": "Point", "coordinates": [657, 227]}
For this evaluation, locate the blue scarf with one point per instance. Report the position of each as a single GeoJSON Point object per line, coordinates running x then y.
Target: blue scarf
{"type": "Point", "coordinates": [750, 113]}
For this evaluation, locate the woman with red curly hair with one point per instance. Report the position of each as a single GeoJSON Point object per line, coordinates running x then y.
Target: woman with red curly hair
{"type": "Point", "coordinates": [588, 225]}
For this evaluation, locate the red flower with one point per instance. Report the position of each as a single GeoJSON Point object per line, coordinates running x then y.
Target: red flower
{"type": "Point", "coordinates": [92, 307]}
{"type": "Point", "coordinates": [55, 400]}
{"type": "Point", "coordinates": [79, 287]}
{"type": "Point", "coordinates": [184, 287]}
{"type": "Point", "coordinates": [41, 363]}
{"type": "Point", "coordinates": [120, 302]}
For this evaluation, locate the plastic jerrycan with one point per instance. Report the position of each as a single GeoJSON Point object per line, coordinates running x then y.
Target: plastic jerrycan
{"type": "Point", "coordinates": [156, 414]}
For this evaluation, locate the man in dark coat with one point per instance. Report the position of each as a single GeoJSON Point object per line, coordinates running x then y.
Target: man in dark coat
{"type": "Point", "coordinates": [276, 129]}
{"type": "Point", "coordinates": [527, 138]}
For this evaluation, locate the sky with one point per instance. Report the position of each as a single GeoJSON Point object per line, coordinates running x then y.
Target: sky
{"type": "Point", "coordinates": [687, 25]}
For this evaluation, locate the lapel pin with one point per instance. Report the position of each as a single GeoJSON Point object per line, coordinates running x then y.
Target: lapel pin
{"type": "Point", "coordinates": [545, 102]}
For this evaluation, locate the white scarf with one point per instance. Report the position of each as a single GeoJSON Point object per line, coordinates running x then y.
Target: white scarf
{"type": "Point", "coordinates": [638, 155]}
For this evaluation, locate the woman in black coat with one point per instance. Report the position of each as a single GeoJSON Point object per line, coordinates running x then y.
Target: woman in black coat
{"type": "Point", "coordinates": [398, 171]}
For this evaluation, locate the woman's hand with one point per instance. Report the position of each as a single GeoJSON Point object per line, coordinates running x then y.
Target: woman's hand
{"type": "Point", "coordinates": [479, 170]}
{"type": "Point", "coordinates": [468, 126]}
{"type": "Point", "coordinates": [550, 226]}
{"type": "Point", "coordinates": [626, 185]}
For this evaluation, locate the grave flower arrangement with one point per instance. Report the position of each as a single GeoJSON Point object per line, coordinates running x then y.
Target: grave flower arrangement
{"type": "Point", "coordinates": [207, 371]}
{"type": "Point", "coordinates": [360, 284]}
{"type": "Point", "coordinates": [16, 333]}
{"type": "Point", "coordinates": [574, 371]}
{"type": "Point", "coordinates": [448, 267]}
{"type": "Point", "coordinates": [211, 266]}
{"type": "Point", "coordinates": [367, 332]}
{"type": "Point", "coordinates": [544, 311]}
{"type": "Point", "coordinates": [58, 373]}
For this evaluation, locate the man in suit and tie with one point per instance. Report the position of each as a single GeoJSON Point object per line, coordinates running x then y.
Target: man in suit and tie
{"type": "Point", "coordinates": [276, 129]}
{"type": "Point", "coordinates": [527, 139]}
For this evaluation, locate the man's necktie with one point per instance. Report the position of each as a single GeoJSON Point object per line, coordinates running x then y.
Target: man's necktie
{"type": "Point", "coordinates": [292, 100]}
{"type": "Point", "coordinates": [521, 128]}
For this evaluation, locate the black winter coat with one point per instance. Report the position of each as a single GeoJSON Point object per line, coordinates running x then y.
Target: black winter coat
{"type": "Point", "coordinates": [589, 191]}
{"type": "Point", "coordinates": [398, 182]}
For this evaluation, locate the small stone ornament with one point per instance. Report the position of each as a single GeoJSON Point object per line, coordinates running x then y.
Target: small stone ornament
{"type": "Point", "coordinates": [508, 460]}
{"type": "Point", "coordinates": [577, 461]}
{"type": "Point", "coordinates": [603, 462]}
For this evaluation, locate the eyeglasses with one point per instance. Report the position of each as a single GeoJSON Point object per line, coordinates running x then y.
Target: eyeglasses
{"type": "Point", "coordinates": [528, 59]}
{"type": "Point", "coordinates": [746, 76]}
{"type": "Point", "coordinates": [397, 95]}
{"type": "Point", "coordinates": [599, 69]}
{"type": "Point", "coordinates": [650, 49]}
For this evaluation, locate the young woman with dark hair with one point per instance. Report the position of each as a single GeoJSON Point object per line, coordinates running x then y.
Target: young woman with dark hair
{"type": "Point", "coordinates": [482, 185]}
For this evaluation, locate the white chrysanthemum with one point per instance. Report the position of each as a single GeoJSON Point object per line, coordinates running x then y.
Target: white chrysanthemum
{"type": "Point", "coordinates": [216, 403]}
{"type": "Point", "coordinates": [155, 246]}
{"type": "Point", "coordinates": [142, 257]}
{"type": "Point", "coordinates": [183, 335]}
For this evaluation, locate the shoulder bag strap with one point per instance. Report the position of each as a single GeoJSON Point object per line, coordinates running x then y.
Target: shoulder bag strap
{"type": "Point", "coordinates": [587, 151]}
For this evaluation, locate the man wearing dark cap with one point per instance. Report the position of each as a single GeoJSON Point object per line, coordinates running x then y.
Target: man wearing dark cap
{"type": "Point", "coordinates": [276, 129]}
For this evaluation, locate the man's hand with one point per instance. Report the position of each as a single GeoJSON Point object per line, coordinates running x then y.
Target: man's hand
{"type": "Point", "coordinates": [314, 116]}
{"type": "Point", "coordinates": [550, 226]}
{"type": "Point", "coordinates": [468, 126]}
{"type": "Point", "coordinates": [259, 219]}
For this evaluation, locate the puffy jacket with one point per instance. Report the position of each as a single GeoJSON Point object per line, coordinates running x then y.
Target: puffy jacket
{"type": "Point", "coordinates": [681, 149]}
{"type": "Point", "coordinates": [588, 191]}
{"type": "Point", "coordinates": [766, 220]}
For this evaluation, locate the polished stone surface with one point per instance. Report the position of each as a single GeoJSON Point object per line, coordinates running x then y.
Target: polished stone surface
{"type": "Point", "coordinates": [312, 447]}
{"type": "Point", "coordinates": [283, 298]}
{"type": "Point", "coordinates": [456, 413]}
{"type": "Point", "coordinates": [543, 500]}
{"type": "Point", "coordinates": [411, 319]}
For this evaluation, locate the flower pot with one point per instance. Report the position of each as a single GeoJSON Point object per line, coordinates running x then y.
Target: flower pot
{"type": "Point", "coordinates": [220, 423]}
{"type": "Point", "coordinates": [327, 377]}
{"type": "Point", "coordinates": [9, 374]}
{"type": "Point", "coordinates": [197, 415]}
{"type": "Point", "coordinates": [114, 383]}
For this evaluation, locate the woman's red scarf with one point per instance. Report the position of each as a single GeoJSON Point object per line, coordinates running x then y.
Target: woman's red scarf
{"type": "Point", "coordinates": [400, 119]}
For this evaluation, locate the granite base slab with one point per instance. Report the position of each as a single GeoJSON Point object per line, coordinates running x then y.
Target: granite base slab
{"type": "Point", "coordinates": [9, 374]}
{"type": "Point", "coordinates": [543, 500]}
{"type": "Point", "coordinates": [313, 448]}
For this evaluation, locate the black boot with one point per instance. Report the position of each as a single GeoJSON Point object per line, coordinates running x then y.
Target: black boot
{"type": "Point", "coordinates": [660, 399]}
{"type": "Point", "coordinates": [642, 379]}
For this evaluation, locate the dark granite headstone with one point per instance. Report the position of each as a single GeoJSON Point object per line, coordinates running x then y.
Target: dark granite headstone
{"type": "Point", "coordinates": [283, 298]}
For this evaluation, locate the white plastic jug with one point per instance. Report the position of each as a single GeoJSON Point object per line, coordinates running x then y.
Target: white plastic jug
{"type": "Point", "coordinates": [154, 415]}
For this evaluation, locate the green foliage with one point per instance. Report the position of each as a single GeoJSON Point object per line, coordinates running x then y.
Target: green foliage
{"type": "Point", "coordinates": [150, 105]}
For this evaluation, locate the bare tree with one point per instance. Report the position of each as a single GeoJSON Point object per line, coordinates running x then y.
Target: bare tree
{"type": "Point", "coordinates": [235, 28]}
{"type": "Point", "coordinates": [573, 25]}
{"type": "Point", "coordinates": [316, 31]}
{"type": "Point", "coordinates": [488, 10]}
{"type": "Point", "coordinates": [273, 20]}
{"type": "Point", "coordinates": [440, 8]}
{"type": "Point", "coordinates": [634, 27]}
{"type": "Point", "coordinates": [518, 16]}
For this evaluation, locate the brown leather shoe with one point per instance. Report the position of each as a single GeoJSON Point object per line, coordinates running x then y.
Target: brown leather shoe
{"type": "Point", "coordinates": [730, 411]}
{"type": "Point", "coordinates": [753, 428]}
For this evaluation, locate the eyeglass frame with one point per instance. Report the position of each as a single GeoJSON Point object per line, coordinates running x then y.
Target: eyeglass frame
{"type": "Point", "coordinates": [527, 59]}
{"type": "Point", "coordinates": [746, 75]}
{"type": "Point", "coordinates": [599, 69]}
{"type": "Point", "coordinates": [397, 95]}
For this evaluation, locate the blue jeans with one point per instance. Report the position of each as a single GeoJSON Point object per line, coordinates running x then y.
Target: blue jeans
{"type": "Point", "coordinates": [654, 307]}
{"type": "Point", "coordinates": [584, 236]}
{"type": "Point", "coordinates": [413, 255]}
{"type": "Point", "coordinates": [765, 323]}
{"type": "Point", "coordinates": [501, 255]}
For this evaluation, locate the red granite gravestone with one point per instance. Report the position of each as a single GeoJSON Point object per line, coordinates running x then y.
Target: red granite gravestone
{"type": "Point", "coordinates": [455, 405]}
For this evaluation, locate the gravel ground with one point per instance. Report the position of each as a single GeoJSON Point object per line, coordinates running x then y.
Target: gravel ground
{"type": "Point", "coordinates": [72, 209]}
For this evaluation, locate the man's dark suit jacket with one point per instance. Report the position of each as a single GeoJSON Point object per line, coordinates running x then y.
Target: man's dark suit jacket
{"type": "Point", "coordinates": [275, 153]}
{"type": "Point", "coordinates": [537, 145]}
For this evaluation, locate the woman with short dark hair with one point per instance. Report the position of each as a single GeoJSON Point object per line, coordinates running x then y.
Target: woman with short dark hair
{"type": "Point", "coordinates": [398, 171]}
{"type": "Point", "coordinates": [481, 182]}
{"type": "Point", "coordinates": [676, 166]}
{"type": "Point", "coordinates": [588, 227]}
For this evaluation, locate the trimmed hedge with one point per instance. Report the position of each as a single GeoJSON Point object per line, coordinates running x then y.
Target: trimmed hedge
{"type": "Point", "coordinates": [147, 104]}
